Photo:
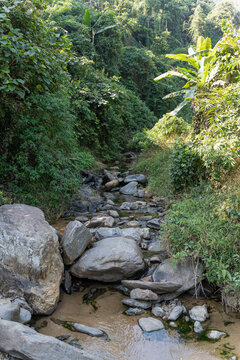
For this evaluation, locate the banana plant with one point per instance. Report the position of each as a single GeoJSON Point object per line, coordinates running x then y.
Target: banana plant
{"type": "Point", "coordinates": [88, 22]}
{"type": "Point", "coordinates": [197, 76]}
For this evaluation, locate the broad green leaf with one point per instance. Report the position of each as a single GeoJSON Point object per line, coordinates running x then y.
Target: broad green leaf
{"type": "Point", "coordinates": [170, 74]}
{"type": "Point", "coordinates": [174, 94]}
{"type": "Point", "coordinates": [105, 29]}
{"type": "Point", "coordinates": [87, 18]}
{"type": "Point", "coordinates": [184, 57]}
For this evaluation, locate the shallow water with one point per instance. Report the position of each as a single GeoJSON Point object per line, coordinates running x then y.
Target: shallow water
{"type": "Point", "coordinates": [127, 341]}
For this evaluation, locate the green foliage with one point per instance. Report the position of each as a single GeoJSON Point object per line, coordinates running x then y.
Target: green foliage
{"type": "Point", "coordinates": [185, 166]}
{"type": "Point", "coordinates": [155, 164]}
{"type": "Point", "coordinates": [199, 225]}
{"type": "Point", "coordinates": [38, 149]}
{"type": "Point", "coordinates": [168, 128]}
{"type": "Point", "coordinates": [198, 76]}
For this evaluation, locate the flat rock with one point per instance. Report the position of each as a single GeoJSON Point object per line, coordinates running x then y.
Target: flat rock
{"type": "Point", "coordinates": [99, 221]}
{"type": "Point", "coordinates": [136, 233]}
{"type": "Point", "coordinates": [75, 239]}
{"type": "Point", "coordinates": [129, 189]}
{"type": "Point", "coordinates": [215, 334]}
{"type": "Point", "coordinates": [150, 324]}
{"type": "Point", "coordinates": [104, 232]}
{"type": "Point", "coordinates": [110, 260]}
{"type": "Point", "coordinates": [157, 247]}
{"type": "Point", "coordinates": [158, 287]}
{"type": "Point", "coordinates": [129, 206]}
{"type": "Point", "coordinates": [25, 343]}
{"type": "Point", "coordinates": [145, 295]}
{"type": "Point", "coordinates": [154, 224]}
{"type": "Point", "coordinates": [31, 266]}
{"type": "Point", "coordinates": [183, 274]}
{"type": "Point", "coordinates": [175, 313]}
{"type": "Point", "coordinates": [134, 311]}
{"type": "Point", "coordinates": [140, 178]}
{"type": "Point", "coordinates": [88, 330]}
{"type": "Point", "coordinates": [199, 313]}
{"type": "Point", "coordinates": [133, 224]}
{"type": "Point", "coordinates": [135, 303]}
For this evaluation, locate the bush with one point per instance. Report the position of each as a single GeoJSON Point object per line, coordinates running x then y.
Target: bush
{"type": "Point", "coordinates": [186, 168]}
{"type": "Point", "coordinates": [167, 128]}
{"type": "Point", "coordinates": [204, 225]}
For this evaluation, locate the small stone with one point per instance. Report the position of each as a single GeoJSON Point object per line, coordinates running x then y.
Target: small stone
{"type": "Point", "coordinates": [110, 202]}
{"type": "Point", "coordinates": [158, 311]}
{"type": "Point", "coordinates": [215, 334]}
{"type": "Point", "coordinates": [155, 259]}
{"type": "Point", "coordinates": [176, 313]}
{"type": "Point", "coordinates": [82, 218]}
{"type": "Point", "coordinates": [141, 294]}
{"type": "Point", "coordinates": [111, 184]}
{"type": "Point", "coordinates": [198, 327]}
{"type": "Point", "coordinates": [133, 224]}
{"type": "Point", "coordinates": [134, 311]}
{"type": "Point", "coordinates": [154, 224]}
{"type": "Point", "coordinates": [129, 189]}
{"type": "Point", "coordinates": [25, 316]}
{"type": "Point", "coordinates": [135, 303]}
{"type": "Point", "coordinates": [96, 221]}
{"type": "Point", "coordinates": [150, 324]}
{"type": "Point", "coordinates": [187, 319]}
{"type": "Point", "coordinates": [113, 213]}
{"type": "Point", "coordinates": [87, 330]}
{"type": "Point", "coordinates": [173, 324]}
{"type": "Point", "coordinates": [199, 313]}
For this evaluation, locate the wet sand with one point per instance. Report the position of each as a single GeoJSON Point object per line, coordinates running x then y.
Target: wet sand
{"type": "Point", "coordinates": [127, 341]}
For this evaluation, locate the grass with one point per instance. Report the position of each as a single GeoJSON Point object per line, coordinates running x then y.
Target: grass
{"type": "Point", "coordinates": [155, 164]}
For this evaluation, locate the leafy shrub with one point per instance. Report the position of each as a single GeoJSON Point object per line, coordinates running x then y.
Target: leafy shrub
{"type": "Point", "coordinates": [198, 226]}
{"type": "Point", "coordinates": [167, 128]}
{"type": "Point", "coordinates": [185, 166]}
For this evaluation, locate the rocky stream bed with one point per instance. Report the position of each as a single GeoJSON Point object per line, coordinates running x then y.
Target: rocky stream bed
{"type": "Point", "coordinates": [121, 295]}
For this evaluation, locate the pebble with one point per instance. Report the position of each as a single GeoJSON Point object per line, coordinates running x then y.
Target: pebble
{"type": "Point", "coordinates": [198, 327]}
{"type": "Point", "coordinates": [199, 313]}
{"type": "Point", "coordinates": [173, 324]}
{"type": "Point", "coordinates": [215, 334]}
{"type": "Point", "coordinates": [134, 311]}
{"type": "Point", "coordinates": [176, 313]}
{"type": "Point", "coordinates": [158, 311]}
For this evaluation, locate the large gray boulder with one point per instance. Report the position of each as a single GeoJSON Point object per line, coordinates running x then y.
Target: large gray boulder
{"type": "Point", "coordinates": [25, 343]}
{"type": "Point", "coordinates": [76, 238]}
{"type": "Point", "coordinates": [184, 274]}
{"type": "Point", "coordinates": [129, 189]}
{"type": "Point", "coordinates": [31, 266]}
{"type": "Point", "coordinates": [110, 260]}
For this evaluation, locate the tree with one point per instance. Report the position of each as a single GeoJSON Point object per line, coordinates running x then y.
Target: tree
{"type": "Point", "coordinates": [197, 76]}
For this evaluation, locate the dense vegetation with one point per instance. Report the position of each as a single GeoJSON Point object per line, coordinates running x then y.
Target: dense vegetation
{"type": "Point", "coordinates": [202, 161]}
{"type": "Point", "coordinates": [77, 86]}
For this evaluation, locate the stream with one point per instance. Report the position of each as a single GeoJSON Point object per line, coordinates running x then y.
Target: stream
{"type": "Point", "coordinates": [126, 340]}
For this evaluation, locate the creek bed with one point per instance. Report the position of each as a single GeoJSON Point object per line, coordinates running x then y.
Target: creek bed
{"type": "Point", "coordinates": [127, 341]}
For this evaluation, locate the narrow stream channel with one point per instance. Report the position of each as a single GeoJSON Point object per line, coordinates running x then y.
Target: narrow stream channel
{"type": "Point", "coordinates": [126, 339]}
